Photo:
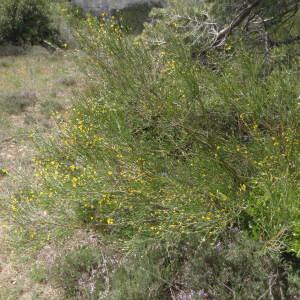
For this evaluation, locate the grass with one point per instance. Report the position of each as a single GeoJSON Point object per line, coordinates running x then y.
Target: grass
{"type": "Point", "coordinates": [50, 107]}
{"type": "Point", "coordinates": [17, 103]}
{"type": "Point", "coordinates": [67, 81]}
{"type": "Point", "coordinates": [30, 94]}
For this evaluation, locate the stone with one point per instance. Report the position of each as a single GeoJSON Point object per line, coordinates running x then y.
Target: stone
{"type": "Point", "coordinates": [96, 7]}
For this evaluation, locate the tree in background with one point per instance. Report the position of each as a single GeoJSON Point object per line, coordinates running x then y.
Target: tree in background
{"type": "Point", "coordinates": [24, 21]}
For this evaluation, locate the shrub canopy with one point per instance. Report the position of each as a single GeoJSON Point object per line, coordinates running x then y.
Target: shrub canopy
{"type": "Point", "coordinates": [24, 21]}
{"type": "Point", "coordinates": [180, 138]}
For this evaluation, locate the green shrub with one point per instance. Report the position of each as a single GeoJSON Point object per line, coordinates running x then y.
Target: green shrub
{"type": "Point", "coordinates": [24, 21]}
{"type": "Point", "coordinates": [166, 145]}
{"type": "Point", "coordinates": [17, 103]}
{"type": "Point", "coordinates": [50, 107]}
{"type": "Point", "coordinates": [39, 273]}
{"type": "Point", "coordinates": [172, 147]}
{"type": "Point", "coordinates": [233, 268]}
{"type": "Point", "coordinates": [78, 272]}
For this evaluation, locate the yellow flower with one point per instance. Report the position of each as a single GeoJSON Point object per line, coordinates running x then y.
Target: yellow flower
{"type": "Point", "coordinates": [74, 182]}
{"type": "Point", "coordinates": [110, 221]}
{"type": "Point", "coordinates": [243, 188]}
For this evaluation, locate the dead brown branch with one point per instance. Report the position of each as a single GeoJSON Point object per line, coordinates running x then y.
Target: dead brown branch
{"type": "Point", "coordinates": [224, 33]}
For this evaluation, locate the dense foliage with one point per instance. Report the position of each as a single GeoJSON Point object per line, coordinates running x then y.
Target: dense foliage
{"type": "Point", "coordinates": [24, 21]}
{"type": "Point", "coordinates": [178, 141]}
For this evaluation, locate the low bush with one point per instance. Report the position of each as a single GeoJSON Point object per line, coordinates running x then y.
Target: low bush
{"type": "Point", "coordinates": [25, 21]}
{"type": "Point", "coordinates": [17, 103]}
{"type": "Point", "coordinates": [233, 268]}
{"type": "Point", "coordinates": [78, 272]}
{"type": "Point", "coordinates": [50, 107]}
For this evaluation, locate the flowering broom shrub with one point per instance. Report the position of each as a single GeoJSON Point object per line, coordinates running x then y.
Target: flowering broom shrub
{"type": "Point", "coordinates": [174, 144]}
{"type": "Point", "coordinates": [163, 145]}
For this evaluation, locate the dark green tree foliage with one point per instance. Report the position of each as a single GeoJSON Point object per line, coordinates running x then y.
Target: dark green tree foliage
{"type": "Point", "coordinates": [24, 21]}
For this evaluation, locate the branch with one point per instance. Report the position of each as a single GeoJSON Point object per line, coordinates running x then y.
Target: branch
{"type": "Point", "coordinates": [223, 34]}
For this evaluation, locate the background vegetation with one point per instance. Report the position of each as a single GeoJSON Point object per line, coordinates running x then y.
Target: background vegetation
{"type": "Point", "coordinates": [24, 21]}
{"type": "Point", "coordinates": [180, 159]}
